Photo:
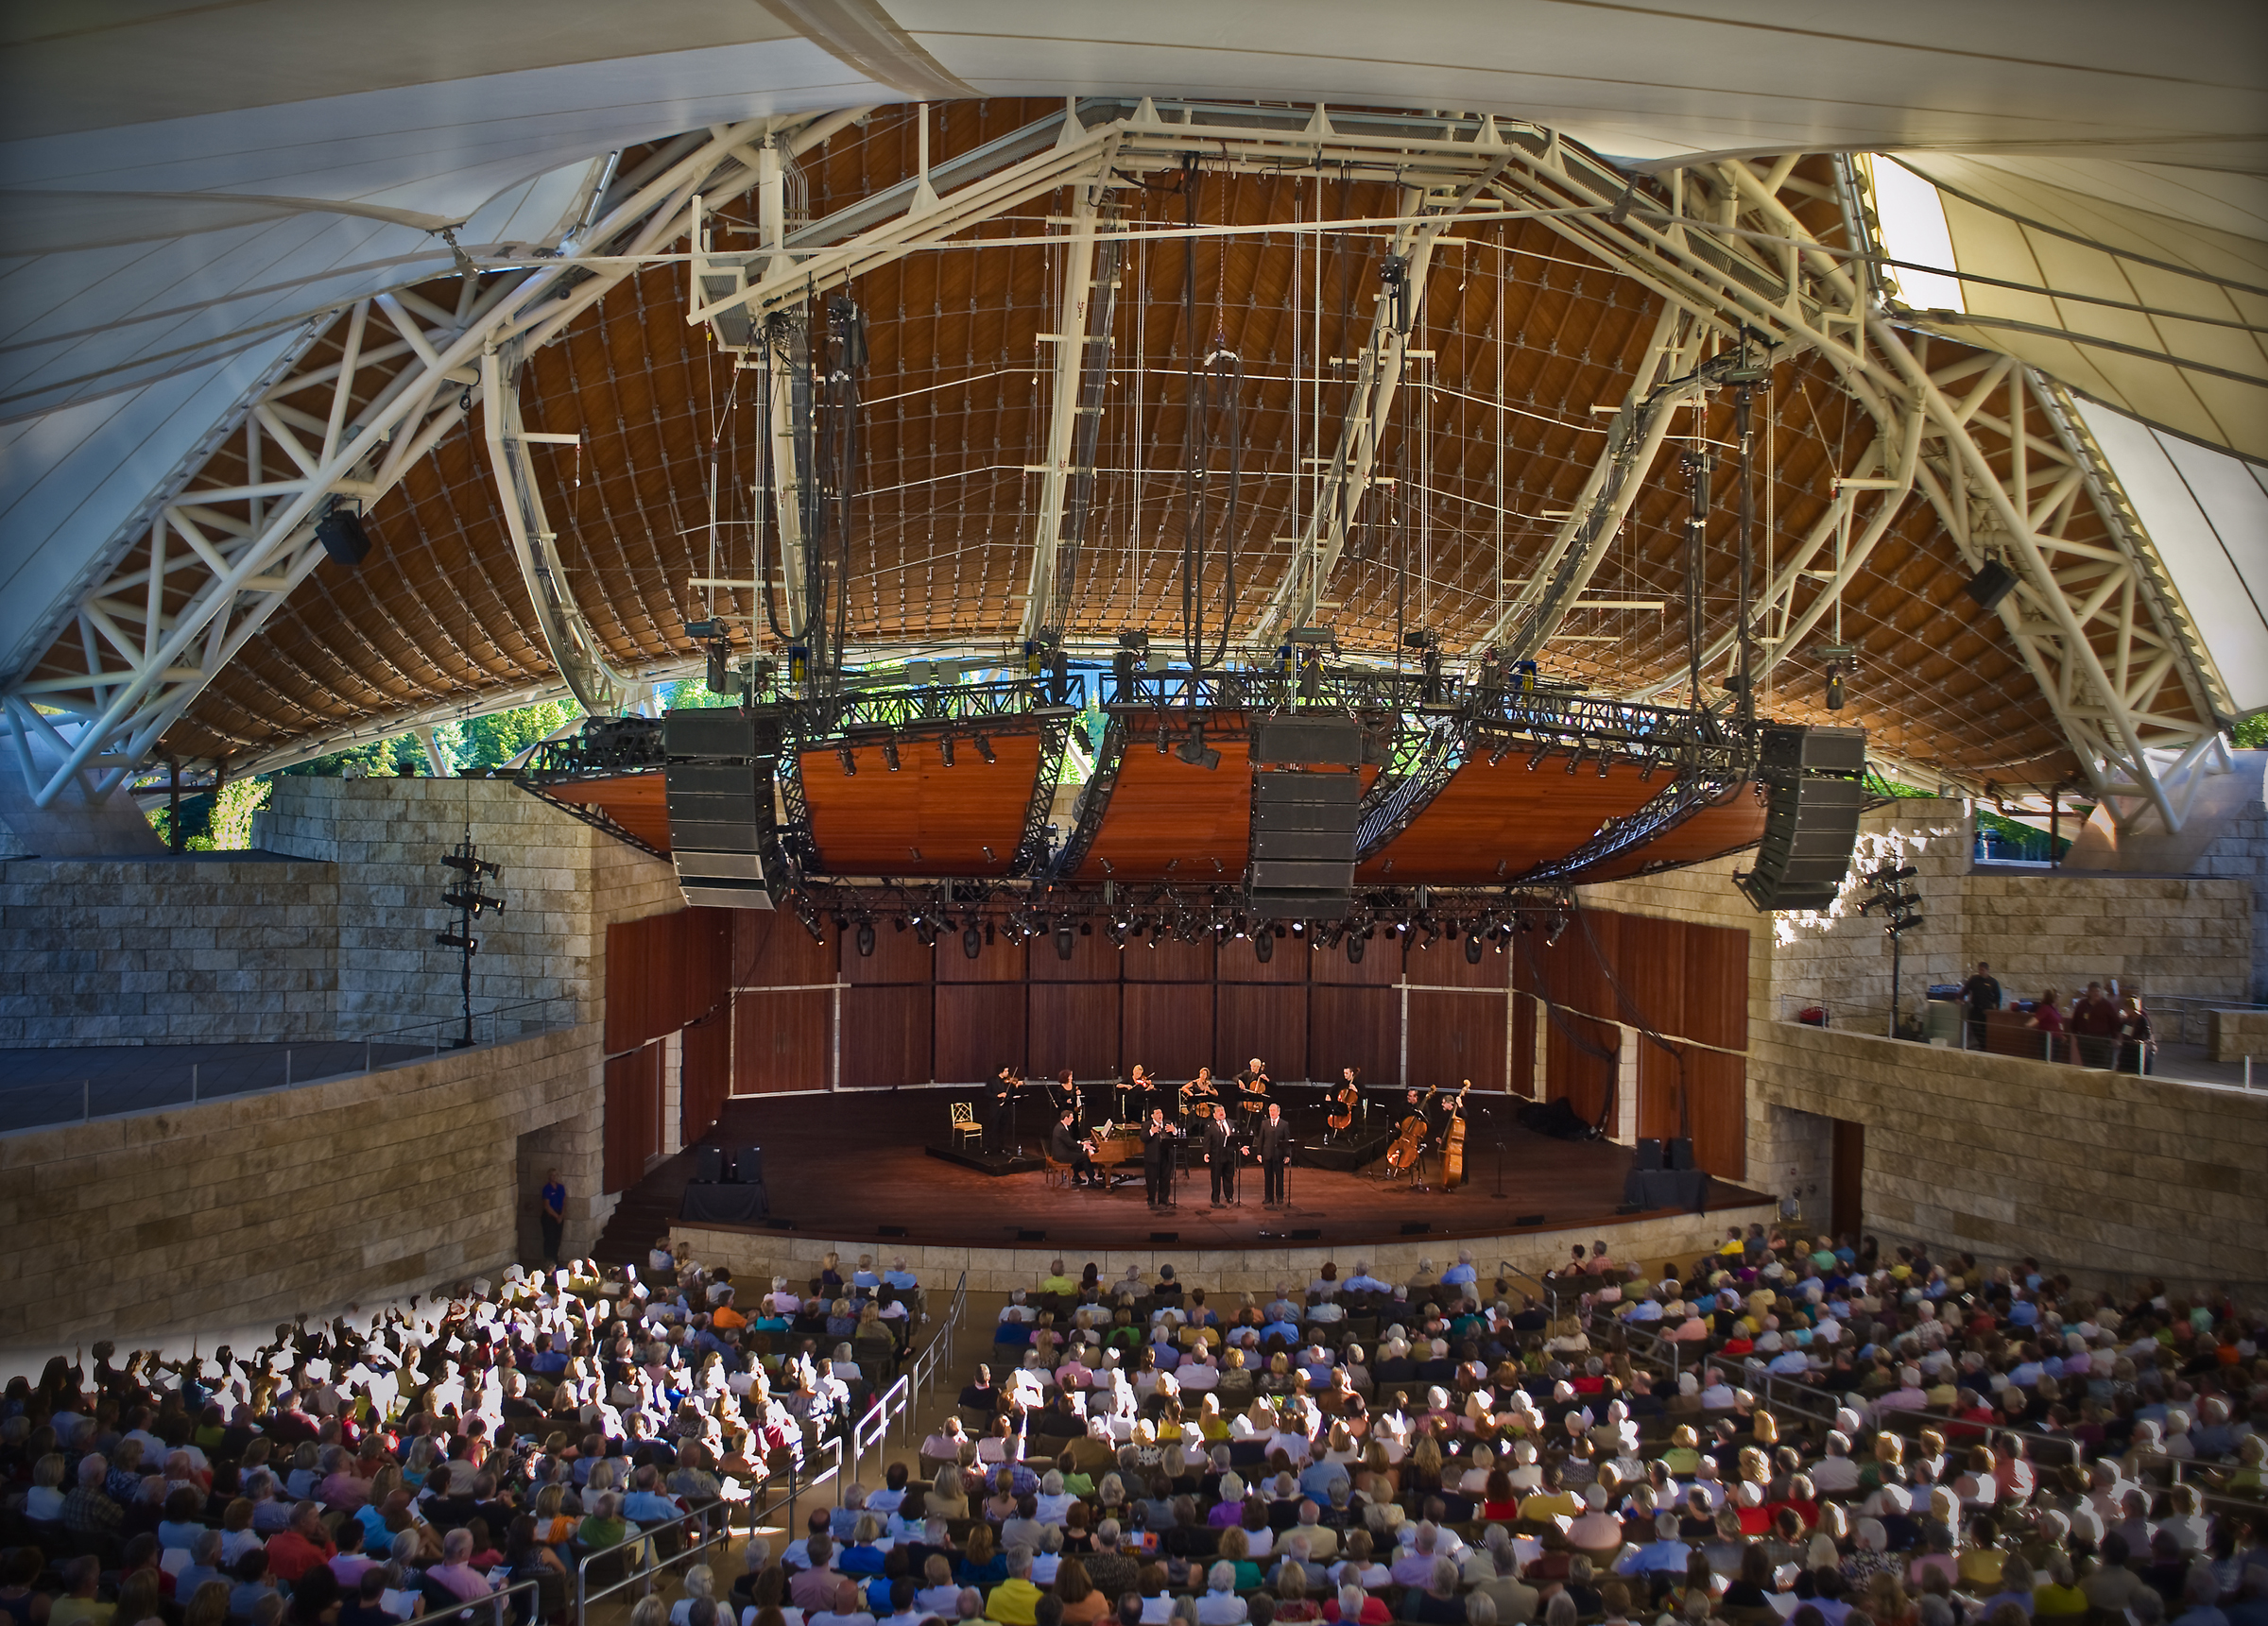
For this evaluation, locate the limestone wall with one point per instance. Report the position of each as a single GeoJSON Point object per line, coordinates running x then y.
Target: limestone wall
{"type": "Point", "coordinates": [249, 1210]}
{"type": "Point", "coordinates": [327, 930]}
{"type": "Point", "coordinates": [761, 1254]}
{"type": "Point", "coordinates": [2079, 1168]}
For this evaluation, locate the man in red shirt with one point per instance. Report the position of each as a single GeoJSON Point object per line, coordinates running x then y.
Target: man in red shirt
{"type": "Point", "coordinates": [301, 1546]}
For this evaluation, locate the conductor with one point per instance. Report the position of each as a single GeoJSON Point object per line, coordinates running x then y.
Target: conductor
{"type": "Point", "coordinates": [1272, 1141]}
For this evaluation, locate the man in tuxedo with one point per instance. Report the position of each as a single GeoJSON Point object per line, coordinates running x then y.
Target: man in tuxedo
{"type": "Point", "coordinates": [1273, 1142]}
{"type": "Point", "coordinates": [1064, 1146]}
{"type": "Point", "coordinates": [1158, 1138]}
{"type": "Point", "coordinates": [1220, 1156]}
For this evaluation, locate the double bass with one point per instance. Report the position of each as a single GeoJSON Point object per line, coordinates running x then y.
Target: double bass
{"type": "Point", "coordinates": [1452, 1142]}
{"type": "Point", "coordinates": [1409, 1140]}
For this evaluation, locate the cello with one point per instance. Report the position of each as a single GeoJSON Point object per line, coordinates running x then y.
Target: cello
{"type": "Point", "coordinates": [1452, 1142]}
{"type": "Point", "coordinates": [1342, 1115]}
{"type": "Point", "coordinates": [1409, 1140]}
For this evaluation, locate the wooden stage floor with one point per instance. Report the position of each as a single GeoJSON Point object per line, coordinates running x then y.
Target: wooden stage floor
{"type": "Point", "coordinates": [848, 1164]}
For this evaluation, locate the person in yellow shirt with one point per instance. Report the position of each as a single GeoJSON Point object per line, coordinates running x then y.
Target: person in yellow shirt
{"type": "Point", "coordinates": [1015, 1601]}
{"type": "Point", "coordinates": [1551, 1502]}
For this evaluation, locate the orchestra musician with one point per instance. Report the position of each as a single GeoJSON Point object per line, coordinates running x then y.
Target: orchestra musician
{"type": "Point", "coordinates": [1345, 1102]}
{"type": "Point", "coordinates": [1002, 1103]}
{"type": "Point", "coordinates": [1157, 1138]}
{"type": "Point", "coordinates": [1137, 1096]}
{"type": "Point", "coordinates": [1252, 1083]}
{"type": "Point", "coordinates": [1272, 1141]}
{"type": "Point", "coordinates": [1200, 1094]}
{"type": "Point", "coordinates": [1220, 1156]}
{"type": "Point", "coordinates": [1064, 1146]}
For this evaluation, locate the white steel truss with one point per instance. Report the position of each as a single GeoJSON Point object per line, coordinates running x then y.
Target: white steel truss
{"type": "Point", "coordinates": [407, 375]}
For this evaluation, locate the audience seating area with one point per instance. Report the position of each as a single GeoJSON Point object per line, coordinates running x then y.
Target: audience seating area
{"type": "Point", "coordinates": [1800, 1430]}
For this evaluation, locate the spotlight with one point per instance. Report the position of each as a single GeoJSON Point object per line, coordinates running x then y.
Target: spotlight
{"type": "Point", "coordinates": [945, 749]}
{"type": "Point", "coordinates": [1163, 744]}
{"type": "Point", "coordinates": [1263, 947]}
{"type": "Point", "coordinates": [1645, 769]}
{"type": "Point", "coordinates": [1473, 948]}
{"type": "Point", "coordinates": [1354, 949]}
{"type": "Point", "coordinates": [1497, 755]}
{"type": "Point", "coordinates": [1066, 940]}
{"type": "Point", "coordinates": [1576, 761]}
{"type": "Point", "coordinates": [1550, 938]}
{"type": "Point", "coordinates": [1195, 752]}
{"type": "Point", "coordinates": [1541, 751]}
{"type": "Point", "coordinates": [849, 760]}
{"type": "Point", "coordinates": [1605, 763]}
{"type": "Point", "coordinates": [973, 941]}
{"type": "Point", "coordinates": [1834, 689]}
{"type": "Point", "coordinates": [926, 930]}
{"type": "Point", "coordinates": [865, 939]}
{"type": "Point", "coordinates": [889, 755]}
{"type": "Point", "coordinates": [983, 749]}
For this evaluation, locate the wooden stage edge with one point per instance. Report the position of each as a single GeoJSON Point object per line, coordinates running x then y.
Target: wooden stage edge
{"type": "Point", "coordinates": [849, 1171]}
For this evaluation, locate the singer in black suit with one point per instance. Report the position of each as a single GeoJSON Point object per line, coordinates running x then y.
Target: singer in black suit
{"type": "Point", "coordinates": [1220, 1156]}
{"type": "Point", "coordinates": [1272, 1141]}
{"type": "Point", "coordinates": [1157, 1138]}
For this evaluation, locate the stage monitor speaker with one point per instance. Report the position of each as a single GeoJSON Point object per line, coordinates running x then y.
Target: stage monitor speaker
{"type": "Point", "coordinates": [1321, 741]}
{"type": "Point", "coordinates": [1524, 1221]}
{"type": "Point", "coordinates": [709, 1163]}
{"type": "Point", "coordinates": [748, 1166]}
{"type": "Point", "coordinates": [1681, 1154]}
{"type": "Point", "coordinates": [1416, 1227]}
{"type": "Point", "coordinates": [1303, 838]}
{"type": "Point", "coordinates": [1165, 1236]}
{"type": "Point", "coordinates": [892, 1230]}
{"type": "Point", "coordinates": [1811, 823]}
{"type": "Point", "coordinates": [1648, 1158]}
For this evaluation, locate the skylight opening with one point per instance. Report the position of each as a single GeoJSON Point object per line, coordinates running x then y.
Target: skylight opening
{"type": "Point", "coordinates": [1909, 217]}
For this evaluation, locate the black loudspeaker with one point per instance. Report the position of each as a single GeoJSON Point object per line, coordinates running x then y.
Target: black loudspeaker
{"type": "Point", "coordinates": [748, 1166]}
{"type": "Point", "coordinates": [1648, 1158]}
{"type": "Point", "coordinates": [1304, 834]}
{"type": "Point", "coordinates": [723, 836]}
{"type": "Point", "coordinates": [1993, 582]}
{"type": "Point", "coordinates": [709, 1164]}
{"type": "Point", "coordinates": [1322, 741]}
{"type": "Point", "coordinates": [344, 537]}
{"type": "Point", "coordinates": [1817, 790]}
{"type": "Point", "coordinates": [1681, 1154]}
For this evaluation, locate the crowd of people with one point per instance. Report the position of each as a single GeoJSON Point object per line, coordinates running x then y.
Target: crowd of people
{"type": "Point", "coordinates": [1792, 1430]}
{"type": "Point", "coordinates": [363, 1473]}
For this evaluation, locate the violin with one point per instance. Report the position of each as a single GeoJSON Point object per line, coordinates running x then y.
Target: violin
{"type": "Point", "coordinates": [1409, 1140]}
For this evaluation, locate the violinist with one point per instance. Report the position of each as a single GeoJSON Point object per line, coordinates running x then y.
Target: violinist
{"type": "Point", "coordinates": [1200, 1095]}
{"type": "Point", "coordinates": [1001, 1102]}
{"type": "Point", "coordinates": [1137, 1095]}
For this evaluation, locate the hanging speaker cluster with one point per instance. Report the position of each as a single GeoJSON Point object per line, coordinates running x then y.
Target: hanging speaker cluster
{"type": "Point", "coordinates": [1817, 777]}
{"type": "Point", "coordinates": [719, 779]}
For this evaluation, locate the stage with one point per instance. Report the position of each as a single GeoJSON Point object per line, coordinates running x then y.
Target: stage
{"type": "Point", "coordinates": [852, 1172]}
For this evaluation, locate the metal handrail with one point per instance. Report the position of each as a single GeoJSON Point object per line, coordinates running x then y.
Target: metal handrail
{"type": "Point", "coordinates": [653, 1561]}
{"type": "Point", "coordinates": [494, 1601]}
{"type": "Point", "coordinates": [895, 1405]}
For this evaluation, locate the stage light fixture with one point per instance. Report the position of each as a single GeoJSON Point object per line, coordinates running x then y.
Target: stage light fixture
{"type": "Point", "coordinates": [1263, 947]}
{"type": "Point", "coordinates": [1645, 769]}
{"type": "Point", "coordinates": [926, 930]}
{"type": "Point", "coordinates": [945, 751]}
{"type": "Point", "coordinates": [1834, 689]}
{"type": "Point", "coordinates": [865, 939]}
{"type": "Point", "coordinates": [1550, 938]}
{"type": "Point", "coordinates": [1497, 755]}
{"type": "Point", "coordinates": [983, 749]}
{"type": "Point", "coordinates": [889, 755]}
{"type": "Point", "coordinates": [1576, 761]}
{"type": "Point", "coordinates": [1473, 948]}
{"type": "Point", "coordinates": [1193, 750]}
{"type": "Point", "coordinates": [849, 760]}
{"type": "Point", "coordinates": [1354, 949]}
{"type": "Point", "coordinates": [1605, 761]}
{"type": "Point", "coordinates": [1067, 941]}
{"type": "Point", "coordinates": [1541, 751]}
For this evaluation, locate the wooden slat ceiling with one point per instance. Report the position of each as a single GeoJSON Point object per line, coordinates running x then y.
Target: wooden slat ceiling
{"type": "Point", "coordinates": [954, 397]}
{"type": "Point", "coordinates": [926, 818]}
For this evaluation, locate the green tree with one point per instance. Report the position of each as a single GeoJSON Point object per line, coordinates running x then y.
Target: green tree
{"type": "Point", "coordinates": [2252, 733]}
{"type": "Point", "coordinates": [491, 741]}
{"type": "Point", "coordinates": [690, 692]}
{"type": "Point", "coordinates": [233, 805]}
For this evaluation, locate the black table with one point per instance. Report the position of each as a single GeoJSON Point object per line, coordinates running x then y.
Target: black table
{"type": "Point", "coordinates": [722, 1203]}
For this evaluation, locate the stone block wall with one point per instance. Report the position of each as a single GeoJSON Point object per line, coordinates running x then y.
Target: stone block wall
{"type": "Point", "coordinates": [226, 949]}
{"type": "Point", "coordinates": [249, 1210]}
{"type": "Point", "coordinates": [326, 931]}
{"type": "Point", "coordinates": [758, 1255]}
{"type": "Point", "coordinates": [2097, 1172]}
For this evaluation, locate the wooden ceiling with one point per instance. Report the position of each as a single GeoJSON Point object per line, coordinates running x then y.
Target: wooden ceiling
{"type": "Point", "coordinates": [1527, 335]}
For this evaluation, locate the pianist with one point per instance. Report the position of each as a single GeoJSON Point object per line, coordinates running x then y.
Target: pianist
{"type": "Point", "coordinates": [1064, 1146]}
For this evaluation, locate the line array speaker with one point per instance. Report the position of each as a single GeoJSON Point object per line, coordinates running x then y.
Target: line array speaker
{"type": "Point", "coordinates": [1303, 836]}
{"type": "Point", "coordinates": [1320, 741]}
{"type": "Point", "coordinates": [723, 837]}
{"type": "Point", "coordinates": [1811, 824]}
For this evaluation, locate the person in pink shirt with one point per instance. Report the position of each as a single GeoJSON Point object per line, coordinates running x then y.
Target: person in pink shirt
{"type": "Point", "coordinates": [455, 1570]}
